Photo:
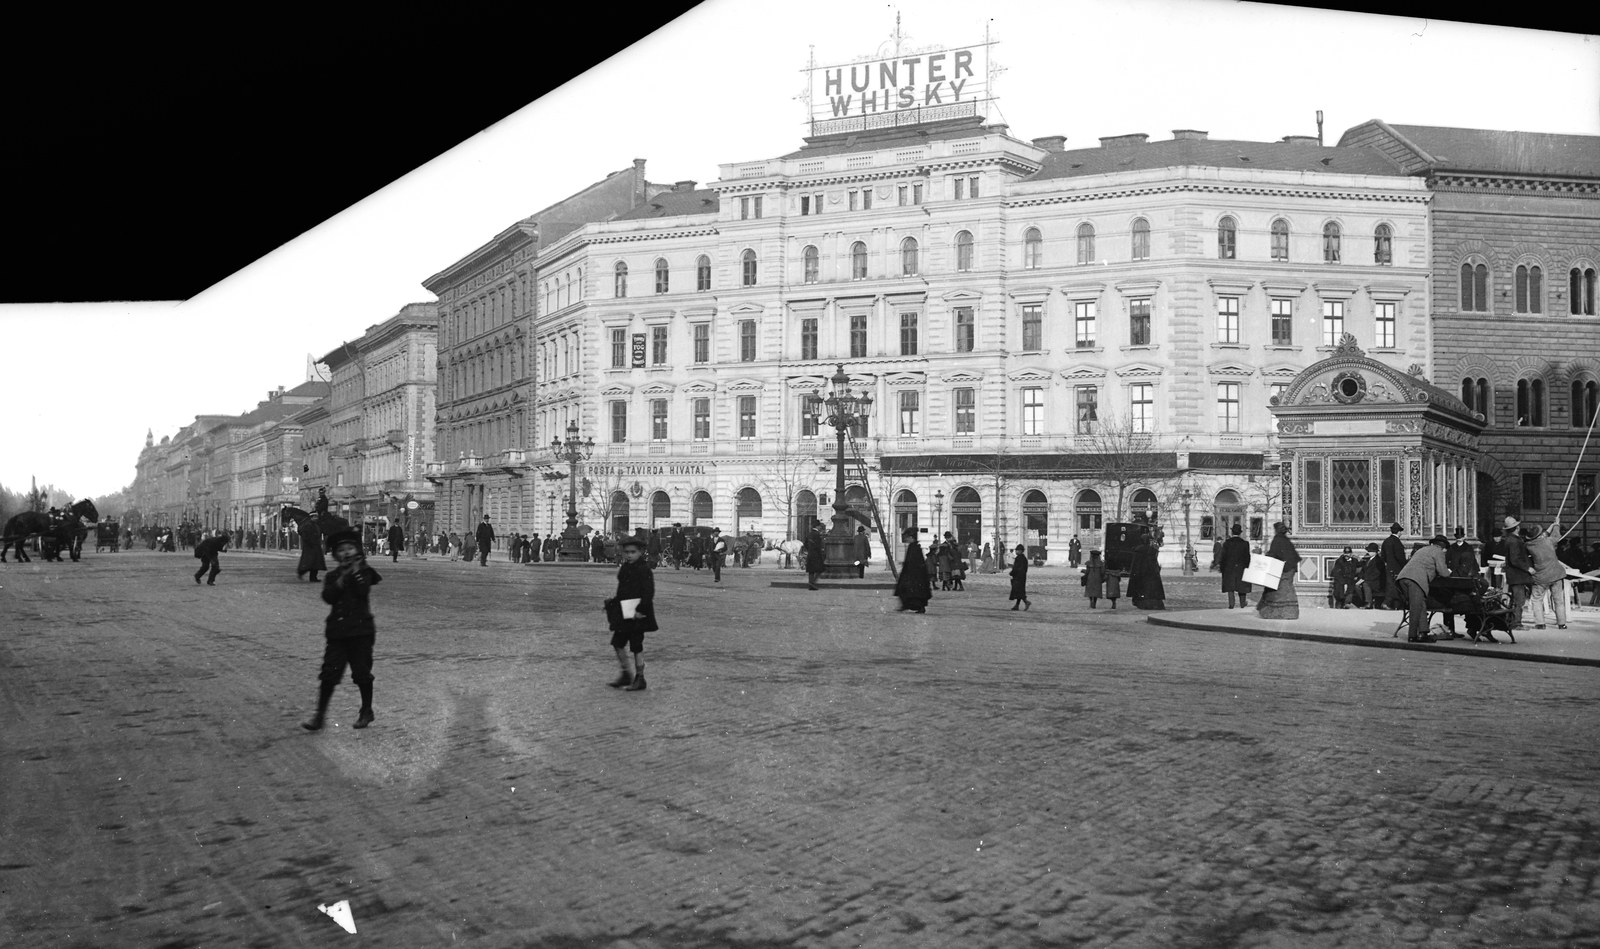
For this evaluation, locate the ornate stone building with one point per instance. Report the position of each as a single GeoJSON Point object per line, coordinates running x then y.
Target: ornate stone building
{"type": "Point", "coordinates": [1013, 308]}
{"type": "Point", "coordinates": [1514, 252]}
{"type": "Point", "coordinates": [380, 423]}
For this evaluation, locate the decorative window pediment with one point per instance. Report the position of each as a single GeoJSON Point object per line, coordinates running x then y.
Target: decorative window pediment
{"type": "Point", "coordinates": [961, 376]}
{"type": "Point", "coordinates": [1138, 288]}
{"type": "Point", "coordinates": [1335, 291]}
{"type": "Point", "coordinates": [1284, 288]}
{"type": "Point", "coordinates": [1084, 291]}
{"type": "Point", "coordinates": [1234, 369]}
{"type": "Point", "coordinates": [1388, 291]}
{"type": "Point", "coordinates": [1231, 288]}
{"type": "Point", "coordinates": [907, 299]}
{"type": "Point", "coordinates": [658, 388]}
{"type": "Point", "coordinates": [807, 382]}
{"type": "Point", "coordinates": [699, 386]}
{"type": "Point", "coordinates": [905, 379]}
{"type": "Point", "coordinates": [1280, 371]}
{"type": "Point", "coordinates": [1030, 294]}
{"type": "Point", "coordinates": [1028, 375]}
{"type": "Point", "coordinates": [657, 316]}
{"type": "Point", "coordinates": [748, 310]}
{"type": "Point", "coordinates": [616, 390]}
{"type": "Point", "coordinates": [1083, 373]}
{"type": "Point", "coordinates": [743, 385]}
{"type": "Point", "coordinates": [962, 297]}
{"type": "Point", "coordinates": [1137, 370]}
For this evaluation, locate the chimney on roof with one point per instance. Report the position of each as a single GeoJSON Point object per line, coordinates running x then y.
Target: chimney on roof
{"type": "Point", "coordinates": [1051, 143]}
{"type": "Point", "coordinates": [641, 187]}
{"type": "Point", "coordinates": [1189, 135]}
{"type": "Point", "coordinates": [1137, 138]}
{"type": "Point", "coordinates": [683, 187]}
{"type": "Point", "coordinates": [1301, 139]}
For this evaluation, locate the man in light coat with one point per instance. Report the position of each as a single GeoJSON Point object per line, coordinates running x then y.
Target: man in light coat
{"type": "Point", "coordinates": [1549, 574]}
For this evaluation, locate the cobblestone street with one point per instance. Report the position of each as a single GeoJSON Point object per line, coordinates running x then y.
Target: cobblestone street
{"type": "Point", "coordinates": [806, 769]}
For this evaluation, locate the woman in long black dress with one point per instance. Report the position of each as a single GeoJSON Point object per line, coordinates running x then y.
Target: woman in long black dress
{"type": "Point", "coordinates": [1019, 580]}
{"type": "Point", "coordinates": [1144, 577]}
{"type": "Point", "coordinates": [1283, 602]}
{"type": "Point", "coordinates": [311, 559]}
{"type": "Point", "coordinates": [915, 587]}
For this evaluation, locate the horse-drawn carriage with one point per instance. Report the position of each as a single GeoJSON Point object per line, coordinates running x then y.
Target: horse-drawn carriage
{"type": "Point", "coordinates": [107, 534]}
{"type": "Point", "coordinates": [57, 531]}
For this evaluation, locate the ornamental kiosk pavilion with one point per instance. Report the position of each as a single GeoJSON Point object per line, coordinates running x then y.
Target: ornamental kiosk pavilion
{"type": "Point", "coordinates": [1362, 446]}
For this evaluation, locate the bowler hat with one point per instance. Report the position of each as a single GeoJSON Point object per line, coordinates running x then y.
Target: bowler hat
{"type": "Point", "coordinates": [1372, 548]}
{"type": "Point", "coordinates": [344, 537]}
{"type": "Point", "coordinates": [1281, 527]}
{"type": "Point", "coordinates": [631, 542]}
{"type": "Point", "coordinates": [1440, 540]}
{"type": "Point", "coordinates": [1395, 528]}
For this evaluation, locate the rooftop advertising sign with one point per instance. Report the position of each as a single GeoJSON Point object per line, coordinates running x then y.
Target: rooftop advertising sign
{"type": "Point", "coordinates": [907, 88]}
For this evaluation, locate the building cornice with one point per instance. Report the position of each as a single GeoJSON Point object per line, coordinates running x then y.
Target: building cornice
{"type": "Point", "coordinates": [1501, 184]}
{"type": "Point", "coordinates": [1271, 191]}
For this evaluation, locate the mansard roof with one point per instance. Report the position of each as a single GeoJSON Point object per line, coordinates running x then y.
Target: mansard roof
{"type": "Point", "coordinates": [1445, 148]}
{"type": "Point", "coordinates": [1173, 153]}
{"type": "Point", "coordinates": [674, 204]}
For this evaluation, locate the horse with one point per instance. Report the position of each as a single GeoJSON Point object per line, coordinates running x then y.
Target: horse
{"type": "Point", "coordinates": [794, 550]}
{"type": "Point", "coordinates": [327, 524]}
{"type": "Point", "coordinates": [66, 533]}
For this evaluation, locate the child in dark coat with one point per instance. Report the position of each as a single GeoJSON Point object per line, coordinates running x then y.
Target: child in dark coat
{"type": "Point", "coordinates": [1019, 580]}
{"type": "Point", "coordinates": [634, 582]}
{"type": "Point", "coordinates": [349, 630]}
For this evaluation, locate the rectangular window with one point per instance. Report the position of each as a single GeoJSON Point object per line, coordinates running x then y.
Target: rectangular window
{"type": "Point", "coordinates": [816, 203]}
{"type": "Point", "coordinates": [747, 340]}
{"type": "Point", "coordinates": [916, 194]}
{"type": "Point", "coordinates": [619, 422]}
{"type": "Point", "coordinates": [805, 205]}
{"type": "Point", "coordinates": [905, 195]}
{"type": "Point", "coordinates": [619, 349]}
{"type": "Point", "coordinates": [744, 209]}
{"type": "Point", "coordinates": [702, 420]}
{"type": "Point", "coordinates": [1384, 318]}
{"type": "Point", "coordinates": [658, 345]}
{"type": "Point", "coordinates": [1313, 513]}
{"type": "Point", "coordinates": [1033, 411]}
{"type": "Point", "coordinates": [1228, 320]}
{"type": "Point", "coordinates": [855, 200]}
{"type": "Point", "coordinates": [1032, 327]}
{"type": "Point", "coordinates": [810, 416]}
{"type": "Point", "coordinates": [747, 417]}
{"type": "Point", "coordinates": [658, 420]}
{"type": "Point", "coordinates": [1277, 390]}
{"type": "Point", "coordinates": [858, 335]}
{"type": "Point", "coordinates": [757, 200]}
{"type": "Point", "coordinates": [972, 186]}
{"type": "Point", "coordinates": [966, 411]}
{"type": "Point", "coordinates": [1083, 320]}
{"type": "Point", "coordinates": [908, 334]}
{"type": "Point", "coordinates": [1283, 323]}
{"type": "Point", "coordinates": [910, 408]}
{"type": "Point", "coordinates": [960, 188]}
{"type": "Point", "coordinates": [1088, 409]}
{"type": "Point", "coordinates": [965, 330]}
{"type": "Point", "coordinates": [1139, 322]}
{"type": "Point", "coordinates": [1532, 491]}
{"type": "Point", "coordinates": [702, 342]}
{"type": "Point", "coordinates": [1332, 322]}
{"type": "Point", "coordinates": [866, 199]}
{"type": "Point", "coordinates": [1227, 406]}
{"type": "Point", "coordinates": [1387, 510]}
{"type": "Point", "coordinates": [808, 338]}
{"type": "Point", "coordinates": [1350, 490]}
{"type": "Point", "coordinates": [1142, 407]}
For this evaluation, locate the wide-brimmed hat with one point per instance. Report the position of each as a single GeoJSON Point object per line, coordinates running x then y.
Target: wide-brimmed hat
{"type": "Point", "coordinates": [1511, 521]}
{"type": "Point", "coordinates": [344, 537]}
{"type": "Point", "coordinates": [1440, 540]}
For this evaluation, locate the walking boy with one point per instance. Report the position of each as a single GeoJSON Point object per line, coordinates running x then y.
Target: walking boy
{"type": "Point", "coordinates": [349, 629]}
{"type": "Point", "coordinates": [634, 582]}
{"type": "Point", "coordinates": [209, 552]}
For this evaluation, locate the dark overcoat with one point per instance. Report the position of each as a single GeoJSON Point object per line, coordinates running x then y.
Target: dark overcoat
{"type": "Point", "coordinates": [1235, 557]}
{"type": "Point", "coordinates": [915, 587]}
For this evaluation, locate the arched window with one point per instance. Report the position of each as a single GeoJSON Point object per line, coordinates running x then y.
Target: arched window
{"type": "Point", "coordinates": [855, 499]}
{"type": "Point", "coordinates": [1280, 239]}
{"type": "Point", "coordinates": [620, 279]}
{"type": "Point", "coordinates": [1227, 239]}
{"type": "Point", "coordinates": [1141, 239]}
{"type": "Point", "coordinates": [1475, 287]}
{"type": "Point", "coordinates": [1584, 402]}
{"type": "Point", "coordinates": [699, 508]}
{"type": "Point", "coordinates": [805, 512]}
{"type": "Point", "coordinates": [619, 512]}
{"type": "Point", "coordinates": [747, 262]}
{"type": "Point", "coordinates": [1582, 280]}
{"type": "Point", "coordinates": [967, 509]}
{"type": "Point", "coordinates": [1033, 249]}
{"type": "Point", "coordinates": [1530, 288]}
{"type": "Point", "coordinates": [1087, 509]}
{"type": "Point", "coordinates": [905, 513]}
{"type": "Point", "coordinates": [660, 509]}
{"type": "Point", "coordinates": [964, 251]}
{"type": "Point", "coordinates": [1085, 243]}
{"type": "Point", "coordinates": [748, 503]}
{"type": "Point", "coordinates": [702, 273]}
{"type": "Point", "coordinates": [661, 275]}
{"type": "Point", "coordinates": [1144, 505]}
{"type": "Point", "coordinates": [810, 258]}
{"type": "Point", "coordinates": [1330, 242]}
{"type": "Point", "coordinates": [1036, 515]}
{"type": "Point", "coordinates": [908, 257]}
{"type": "Point", "coordinates": [1530, 403]}
{"type": "Point", "coordinates": [858, 261]}
{"type": "Point", "coordinates": [1382, 245]}
{"type": "Point", "coordinates": [1475, 393]}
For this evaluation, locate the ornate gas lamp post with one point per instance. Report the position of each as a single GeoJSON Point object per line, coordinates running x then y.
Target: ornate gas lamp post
{"type": "Point", "coordinates": [845, 409]}
{"type": "Point", "coordinates": [572, 451]}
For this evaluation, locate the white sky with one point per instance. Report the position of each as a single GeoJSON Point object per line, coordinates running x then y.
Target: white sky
{"type": "Point", "coordinates": [701, 92]}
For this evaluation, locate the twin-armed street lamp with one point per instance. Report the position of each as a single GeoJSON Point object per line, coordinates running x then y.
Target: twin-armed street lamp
{"type": "Point", "coordinates": [572, 451]}
{"type": "Point", "coordinates": [845, 409]}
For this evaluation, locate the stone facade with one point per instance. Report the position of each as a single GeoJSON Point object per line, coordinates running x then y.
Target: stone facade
{"type": "Point", "coordinates": [1513, 338]}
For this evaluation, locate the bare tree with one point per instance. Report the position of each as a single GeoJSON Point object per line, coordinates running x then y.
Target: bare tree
{"type": "Point", "coordinates": [1263, 495]}
{"type": "Point", "coordinates": [1120, 454]}
{"type": "Point", "coordinates": [782, 475]}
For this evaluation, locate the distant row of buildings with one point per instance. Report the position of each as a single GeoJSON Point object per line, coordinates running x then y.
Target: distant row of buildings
{"type": "Point", "coordinates": [1016, 309]}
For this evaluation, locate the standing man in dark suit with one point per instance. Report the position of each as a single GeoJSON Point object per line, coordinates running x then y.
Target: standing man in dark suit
{"type": "Point", "coordinates": [485, 537]}
{"type": "Point", "coordinates": [679, 545]}
{"type": "Point", "coordinates": [1519, 569]}
{"type": "Point", "coordinates": [397, 541]}
{"type": "Point", "coordinates": [863, 552]}
{"type": "Point", "coordinates": [1394, 557]}
{"type": "Point", "coordinates": [1235, 558]}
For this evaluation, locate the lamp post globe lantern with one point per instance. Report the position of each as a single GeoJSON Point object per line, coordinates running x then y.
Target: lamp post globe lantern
{"type": "Point", "coordinates": [845, 410]}
{"type": "Point", "coordinates": [572, 451]}
{"type": "Point", "coordinates": [938, 515]}
{"type": "Point", "coordinates": [1189, 562]}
